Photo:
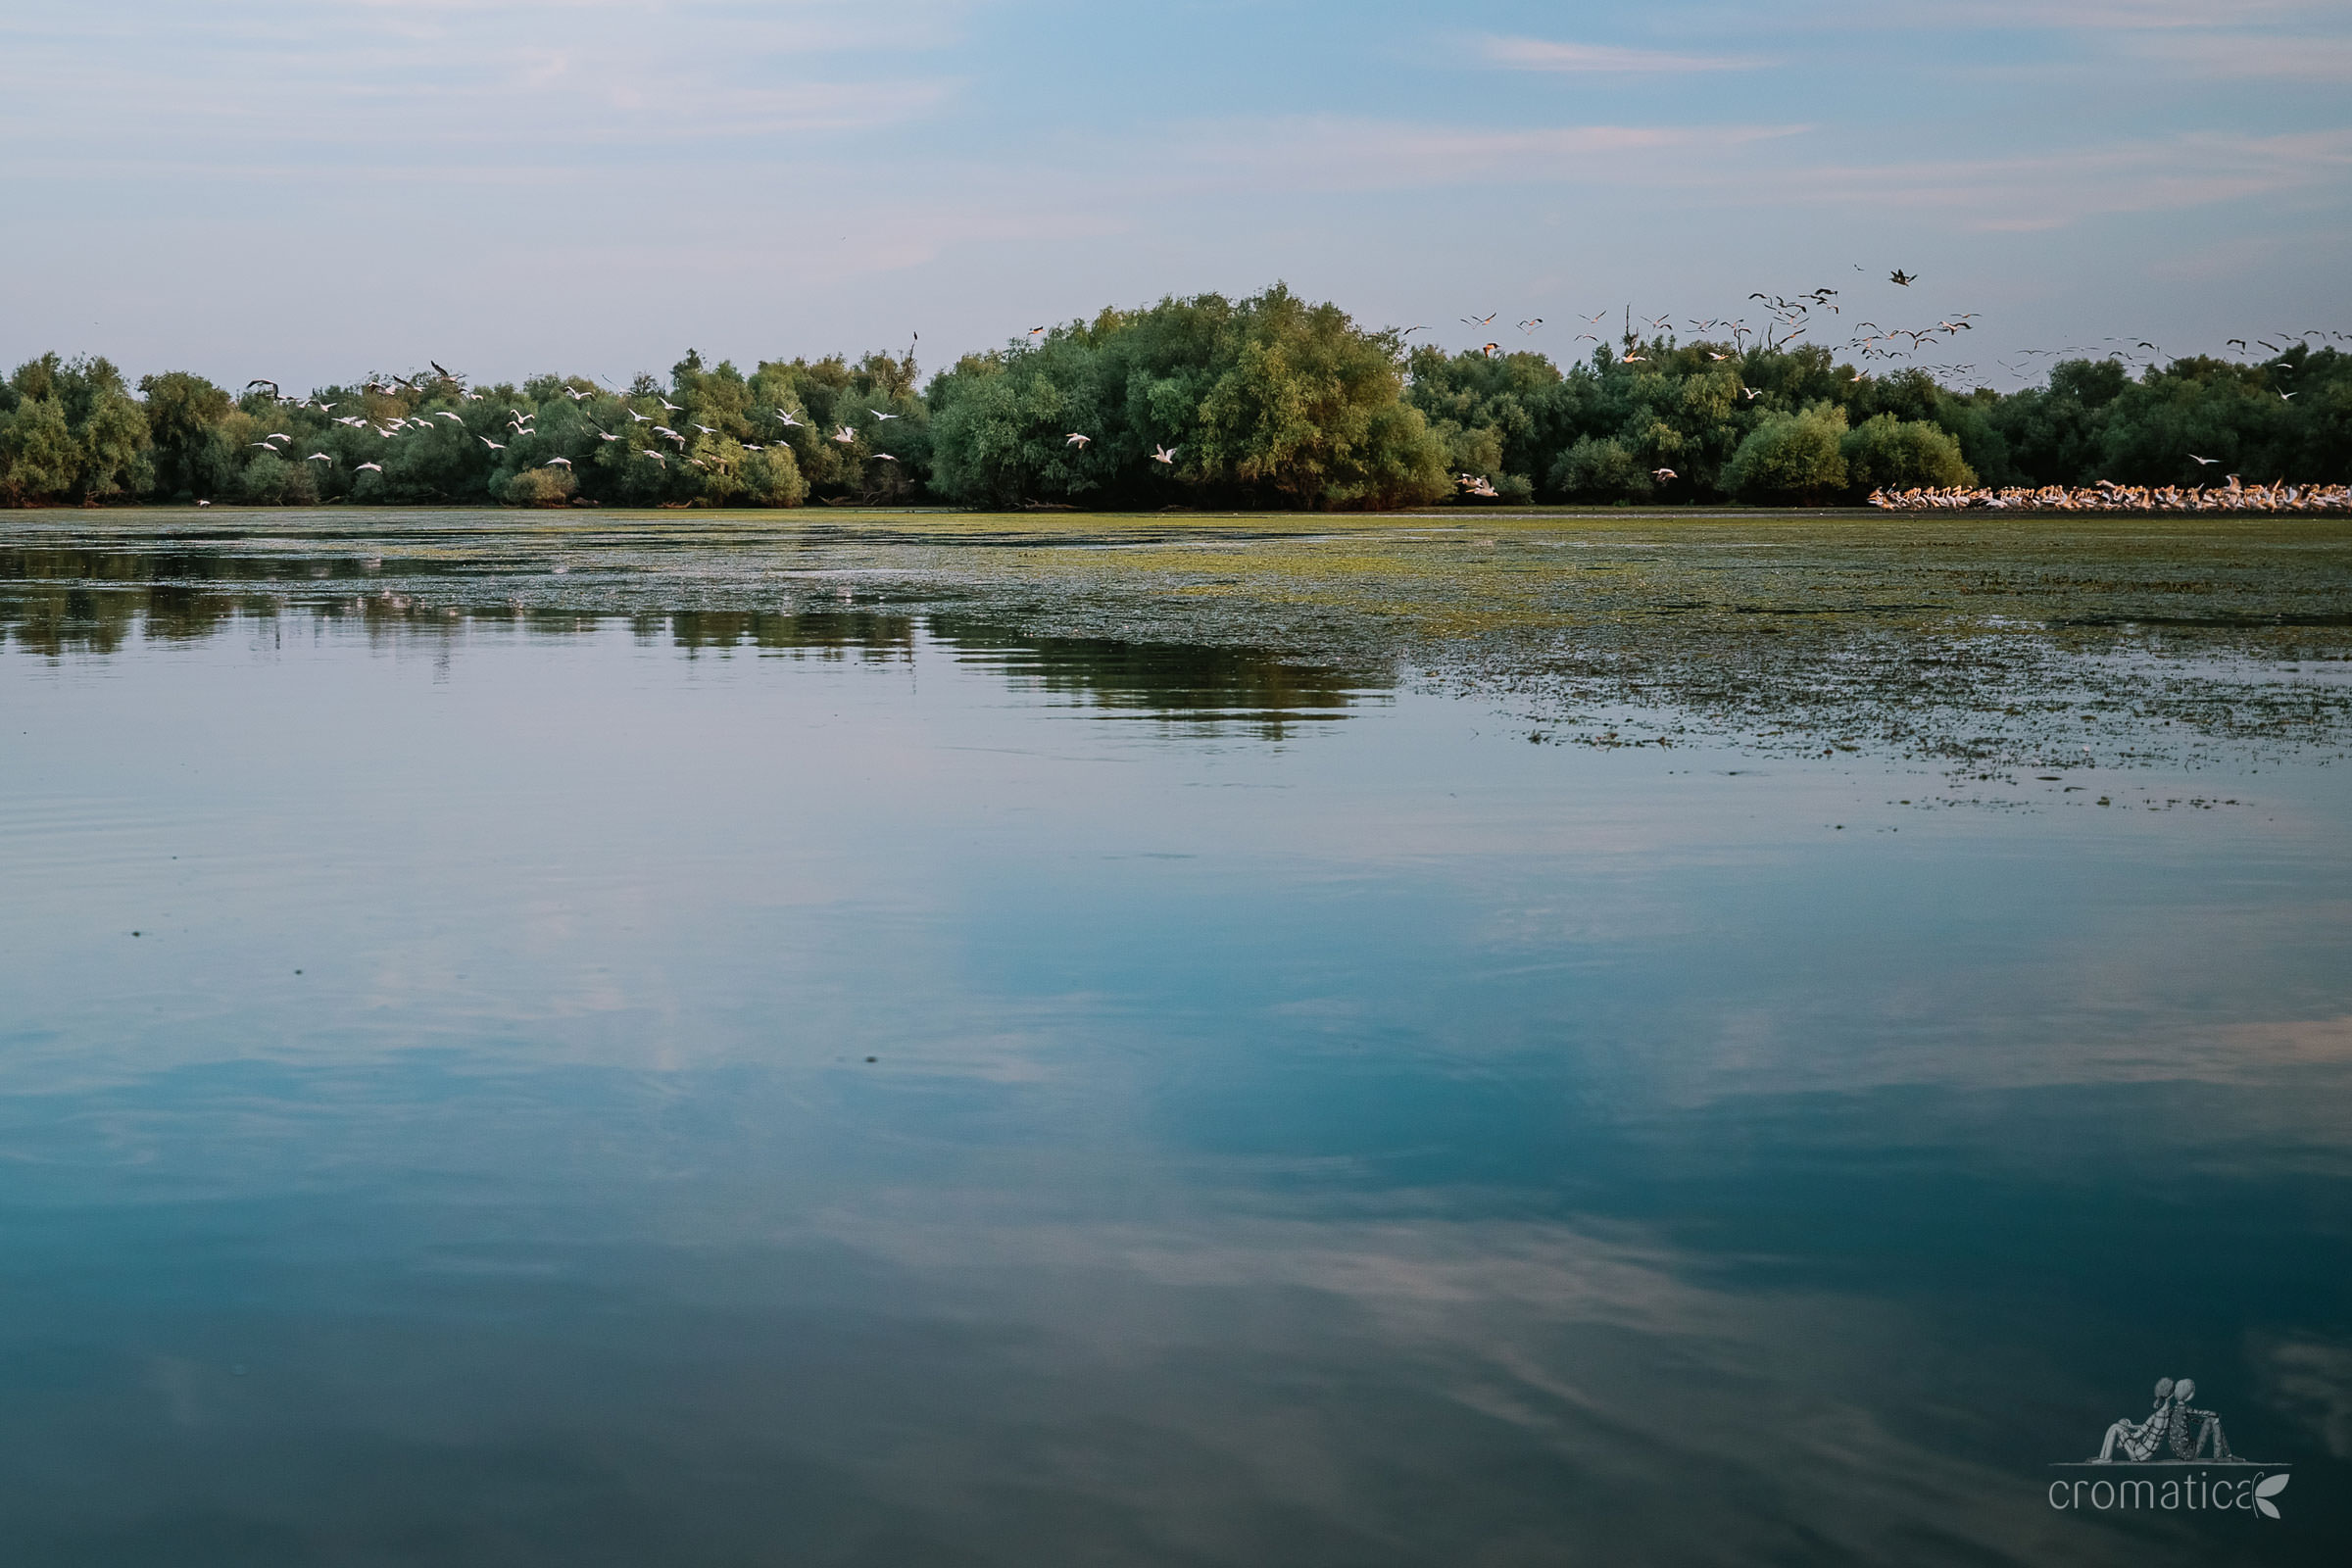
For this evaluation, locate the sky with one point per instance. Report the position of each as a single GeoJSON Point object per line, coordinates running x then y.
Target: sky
{"type": "Point", "coordinates": [316, 190]}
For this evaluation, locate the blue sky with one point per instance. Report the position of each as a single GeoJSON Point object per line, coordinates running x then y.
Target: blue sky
{"type": "Point", "coordinates": [316, 189]}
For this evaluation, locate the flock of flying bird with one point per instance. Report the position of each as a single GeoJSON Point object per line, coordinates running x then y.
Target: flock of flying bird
{"type": "Point", "coordinates": [522, 425]}
{"type": "Point", "coordinates": [1790, 318]}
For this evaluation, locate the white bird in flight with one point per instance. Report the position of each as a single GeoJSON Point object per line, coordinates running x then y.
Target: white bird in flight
{"type": "Point", "coordinates": [369, 467]}
{"type": "Point", "coordinates": [318, 456]}
{"type": "Point", "coordinates": [879, 414]}
{"type": "Point", "coordinates": [495, 445]}
{"type": "Point", "coordinates": [557, 463]}
{"type": "Point", "coordinates": [1077, 440]}
{"type": "Point", "coordinates": [845, 435]}
{"type": "Point", "coordinates": [1166, 454]}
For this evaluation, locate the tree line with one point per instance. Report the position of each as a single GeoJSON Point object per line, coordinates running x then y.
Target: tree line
{"type": "Point", "coordinates": [1265, 402]}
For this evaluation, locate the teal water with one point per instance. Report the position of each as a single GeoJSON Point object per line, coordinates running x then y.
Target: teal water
{"type": "Point", "coordinates": [526, 1088]}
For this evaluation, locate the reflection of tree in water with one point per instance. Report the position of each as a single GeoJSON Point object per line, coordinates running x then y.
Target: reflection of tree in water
{"type": "Point", "coordinates": [834, 634]}
{"type": "Point", "coordinates": [1205, 686]}
{"type": "Point", "coordinates": [59, 601]}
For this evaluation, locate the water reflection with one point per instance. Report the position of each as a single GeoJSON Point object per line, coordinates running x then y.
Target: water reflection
{"type": "Point", "coordinates": [1211, 687]}
{"type": "Point", "coordinates": [611, 1094]}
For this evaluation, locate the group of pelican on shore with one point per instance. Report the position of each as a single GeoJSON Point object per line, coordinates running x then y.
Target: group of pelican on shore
{"type": "Point", "coordinates": [2107, 496]}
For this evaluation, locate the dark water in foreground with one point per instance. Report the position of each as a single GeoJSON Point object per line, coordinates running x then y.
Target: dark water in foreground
{"type": "Point", "coordinates": [912, 1094]}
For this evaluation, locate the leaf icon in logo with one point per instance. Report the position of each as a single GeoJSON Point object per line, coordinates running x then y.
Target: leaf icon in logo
{"type": "Point", "coordinates": [2268, 1487]}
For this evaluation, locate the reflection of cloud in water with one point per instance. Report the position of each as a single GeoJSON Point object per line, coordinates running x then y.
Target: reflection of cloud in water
{"type": "Point", "coordinates": [1458, 1387]}
{"type": "Point", "coordinates": [2313, 1379]}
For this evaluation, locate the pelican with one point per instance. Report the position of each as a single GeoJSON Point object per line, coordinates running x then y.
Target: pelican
{"type": "Point", "coordinates": [1076, 440]}
{"type": "Point", "coordinates": [845, 435]}
{"type": "Point", "coordinates": [879, 414]}
{"type": "Point", "coordinates": [495, 445]}
{"type": "Point", "coordinates": [1664, 473]}
{"type": "Point", "coordinates": [319, 457]}
{"type": "Point", "coordinates": [789, 423]}
{"type": "Point", "coordinates": [885, 457]}
{"type": "Point", "coordinates": [641, 418]}
{"type": "Point", "coordinates": [603, 434]}
{"type": "Point", "coordinates": [666, 403]}
{"type": "Point", "coordinates": [368, 468]}
{"type": "Point", "coordinates": [1486, 319]}
{"type": "Point", "coordinates": [451, 417]}
{"type": "Point", "coordinates": [557, 463]}
{"type": "Point", "coordinates": [1166, 454]}
{"type": "Point", "coordinates": [264, 445]}
{"type": "Point", "coordinates": [1531, 323]}
{"type": "Point", "coordinates": [705, 430]}
{"type": "Point", "coordinates": [277, 435]}
{"type": "Point", "coordinates": [2202, 463]}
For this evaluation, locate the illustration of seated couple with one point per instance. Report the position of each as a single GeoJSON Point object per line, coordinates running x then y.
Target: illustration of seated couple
{"type": "Point", "coordinates": [2174, 1425]}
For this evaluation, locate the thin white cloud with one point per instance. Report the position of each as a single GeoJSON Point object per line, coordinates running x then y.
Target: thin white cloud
{"type": "Point", "coordinates": [2252, 56]}
{"type": "Point", "coordinates": [1544, 54]}
{"type": "Point", "coordinates": [2087, 16]}
{"type": "Point", "coordinates": [1343, 153]}
{"type": "Point", "coordinates": [2051, 190]}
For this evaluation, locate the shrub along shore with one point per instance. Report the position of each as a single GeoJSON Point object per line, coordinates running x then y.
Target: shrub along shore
{"type": "Point", "coordinates": [1265, 402]}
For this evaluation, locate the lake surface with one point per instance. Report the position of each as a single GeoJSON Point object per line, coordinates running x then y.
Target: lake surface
{"type": "Point", "coordinates": [769, 1057]}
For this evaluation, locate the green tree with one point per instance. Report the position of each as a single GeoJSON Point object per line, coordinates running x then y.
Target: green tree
{"type": "Point", "coordinates": [1310, 408]}
{"type": "Point", "coordinates": [1885, 452]}
{"type": "Point", "coordinates": [1790, 458]}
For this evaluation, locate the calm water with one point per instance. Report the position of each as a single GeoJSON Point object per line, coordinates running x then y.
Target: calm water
{"type": "Point", "coordinates": [524, 1090]}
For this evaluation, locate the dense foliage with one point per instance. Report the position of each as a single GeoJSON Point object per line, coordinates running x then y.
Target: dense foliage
{"type": "Point", "coordinates": [1270, 401]}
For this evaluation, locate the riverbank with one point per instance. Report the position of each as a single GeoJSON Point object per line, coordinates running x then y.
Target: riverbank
{"type": "Point", "coordinates": [1964, 638]}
